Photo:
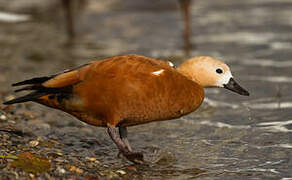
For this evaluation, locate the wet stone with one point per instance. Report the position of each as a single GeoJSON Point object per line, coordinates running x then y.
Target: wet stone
{"type": "Point", "coordinates": [121, 172]}
{"type": "Point", "coordinates": [76, 169]}
{"type": "Point", "coordinates": [33, 143]}
{"type": "Point", "coordinates": [60, 170]}
{"type": "Point", "coordinates": [3, 163]}
{"type": "Point", "coordinates": [8, 98]}
{"type": "Point", "coordinates": [3, 117]}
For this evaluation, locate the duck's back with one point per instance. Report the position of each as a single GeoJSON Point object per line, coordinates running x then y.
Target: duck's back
{"type": "Point", "coordinates": [126, 90]}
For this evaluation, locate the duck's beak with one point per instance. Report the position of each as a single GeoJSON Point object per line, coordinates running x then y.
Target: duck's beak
{"type": "Point", "coordinates": [233, 86]}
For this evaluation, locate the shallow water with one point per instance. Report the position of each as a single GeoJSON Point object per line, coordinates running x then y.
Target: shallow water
{"type": "Point", "coordinates": [229, 137]}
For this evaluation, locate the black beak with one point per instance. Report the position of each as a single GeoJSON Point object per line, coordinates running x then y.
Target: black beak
{"type": "Point", "coordinates": [233, 86]}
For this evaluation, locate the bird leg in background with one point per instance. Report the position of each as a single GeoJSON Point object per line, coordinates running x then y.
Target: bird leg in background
{"type": "Point", "coordinates": [185, 8]}
{"type": "Point", "coordinates": [131, 156]}
{"type": "Point", "coordinates": [123, 134]}
{"type": "Point", "coordinates": [68, 9]}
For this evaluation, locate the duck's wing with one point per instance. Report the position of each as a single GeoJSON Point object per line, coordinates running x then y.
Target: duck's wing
{"type": "Point", "coordinates": [42, 86]}
{"type": "Point", "coordinates": [63, 82]}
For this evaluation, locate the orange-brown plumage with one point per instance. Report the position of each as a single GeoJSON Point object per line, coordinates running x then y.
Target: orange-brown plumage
{"type": "Point", "coordinates": [129, 90]}
{"type": "Point", "coordinates": [123, 91]}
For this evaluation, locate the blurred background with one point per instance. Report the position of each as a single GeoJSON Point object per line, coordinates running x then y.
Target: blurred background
{"type": "Point", "coordinates": [229, 137]}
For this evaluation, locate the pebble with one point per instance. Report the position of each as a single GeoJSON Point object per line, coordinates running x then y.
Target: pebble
{"type": "Point", "coordinates": [76, 169]}
{"type": "Point", "coordinates": [109, 174]}
{"type": "Point", "coordinates": [121, 172]}
{"type": "Point", "coordinates": [92, 159]}
{"type": "Point", "coordinates": [31, 175]}
{"type": "Point", "coordinates": [3, 117]}
{"type": "Point", "coordinates": [8, 98]}
{"type": "Point", "coordinates": [60, 160]}
{"type": "Point", "coordinates": [12, 122]}
{"type": "Point", "coordinates": [33, 143]}
{"type": "Point", "coordinates": [132, 168]}
{"type": "Point", "coordinates": [54, 141]}
{"type": "Point", "coordinates": [61, 170]}
{"type": "Point", "coordinates": [3, 163]}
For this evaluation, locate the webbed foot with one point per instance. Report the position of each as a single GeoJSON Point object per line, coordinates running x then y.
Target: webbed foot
{"type": "Point", "coordinates": [135, 157]}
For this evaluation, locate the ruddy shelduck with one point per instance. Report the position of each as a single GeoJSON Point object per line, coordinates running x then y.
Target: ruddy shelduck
{"type": "Point", "coordinates": [129, 90]}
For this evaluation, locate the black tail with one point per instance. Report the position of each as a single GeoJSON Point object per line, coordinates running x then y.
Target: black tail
{"type": "Point", "coordinates": [35, 85]}
{"type": "Point", "coordinates": [32, 84]}
{"type": "Point", "coordinates": [29, 97]}
{"type": "Point", "coordinates": [38, 80]}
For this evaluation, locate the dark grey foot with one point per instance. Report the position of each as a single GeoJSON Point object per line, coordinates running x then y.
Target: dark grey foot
{"type": "Point", "coordinates": [134, 157]}
{"type": "Point", "coordinates": [123, 145]}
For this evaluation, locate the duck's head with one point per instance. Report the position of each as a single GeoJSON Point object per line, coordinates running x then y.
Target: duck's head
{"type": "Point", "coordinates": [210, 72]}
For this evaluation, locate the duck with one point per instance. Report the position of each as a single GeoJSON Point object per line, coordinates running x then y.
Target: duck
{"type": "Point", "coordinates": [185, 5]}
{"type": "Point", "coordinates": [129, 90]}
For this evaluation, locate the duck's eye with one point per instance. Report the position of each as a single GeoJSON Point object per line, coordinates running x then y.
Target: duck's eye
{"type": "Point", "coordinates": [219, 71]}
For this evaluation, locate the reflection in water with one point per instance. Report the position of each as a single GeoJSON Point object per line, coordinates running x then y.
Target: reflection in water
{"type": "Point", "coordinates": [276, 126]}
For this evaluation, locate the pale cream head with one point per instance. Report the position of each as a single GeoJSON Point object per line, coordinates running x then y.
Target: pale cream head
{"type": "Point", "coordinates": [206, 71]}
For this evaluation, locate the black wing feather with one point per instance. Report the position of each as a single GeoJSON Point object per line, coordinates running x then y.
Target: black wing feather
{"type": "Point", "coordinates": [29, 97]}
{"type": "Point", "coordinates": [35, 84]}
{"type": "Point", "coordinates": [38, 80]}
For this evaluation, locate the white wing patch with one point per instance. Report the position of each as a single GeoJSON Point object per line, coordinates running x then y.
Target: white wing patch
{"type": "Point", "coordinates": [158, 73]}
{"type": "Point", "coordinates": [170, 64]}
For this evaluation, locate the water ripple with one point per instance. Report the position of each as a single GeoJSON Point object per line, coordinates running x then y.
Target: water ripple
{"type": "Point", "coordinates": [264, 170]}
{"type": "Point", "coordinates": [276, 126]}
{"type": "Point", "coordinates": [272, 105]}
{"type": "Point", "coordinates": [277, 79]}
{"type": "Point", "coordinates": [13, 18]}
{"type": "Point", "coordinates": [222, 125]}
{"type": "Point", "coordinates": [238, 37]}
{"type": "Point", "coordinates": [220, 103]}
{"type": "Point", "coordinates": [267, 63]}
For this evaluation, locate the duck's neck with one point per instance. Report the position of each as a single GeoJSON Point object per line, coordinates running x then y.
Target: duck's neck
{"type": "Point", "coordinates": [187, 73]}
{"type": "Point", "coordinates": [196, 75]}
{"type": "Point", "coordinates": [182, 71]}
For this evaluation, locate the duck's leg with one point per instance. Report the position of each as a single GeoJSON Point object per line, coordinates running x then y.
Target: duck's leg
{"type": "Point", "coordinates": [123, 135]}
{"type": "Point", "coordinates": [185, 8]}
{"type": "Point", "coordinates": [130, 155]}
{"type": "Point", "coordinates": [67, 6]}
